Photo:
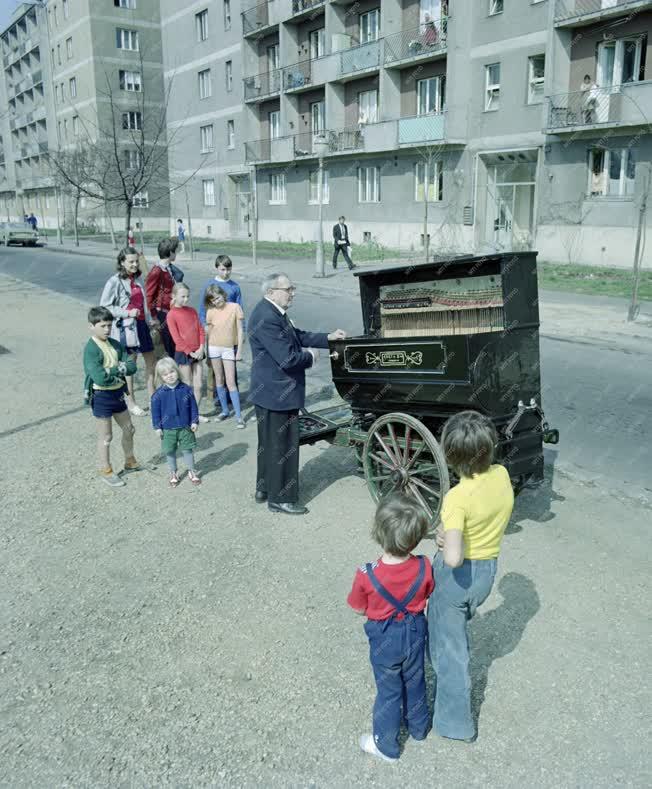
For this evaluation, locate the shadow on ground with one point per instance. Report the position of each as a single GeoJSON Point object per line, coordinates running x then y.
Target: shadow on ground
{"type": "Point", "coordinates": [535, 503]}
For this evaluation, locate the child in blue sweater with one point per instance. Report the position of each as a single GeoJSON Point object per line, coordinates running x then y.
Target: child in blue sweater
{"type": "Point", "coordinates": [175, 417]}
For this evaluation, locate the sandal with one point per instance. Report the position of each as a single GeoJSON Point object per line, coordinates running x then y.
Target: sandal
{"type": "Point", "coordinates": [174, 480]}
{"type": "Point", "coordinates": [194, 478]}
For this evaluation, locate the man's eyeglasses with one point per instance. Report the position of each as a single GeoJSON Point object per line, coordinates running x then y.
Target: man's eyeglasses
{"type": "Point", "coordinates": [291, 289]}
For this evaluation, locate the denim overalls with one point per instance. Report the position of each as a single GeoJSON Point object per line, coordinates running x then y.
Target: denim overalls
{"type": "Point", "coordinates": [396, 651]}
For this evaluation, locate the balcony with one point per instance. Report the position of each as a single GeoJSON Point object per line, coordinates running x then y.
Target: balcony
{"type": "Point", "coordinates": [301, 9]}
{"type": "Point", "coordinates": [618, 105]}
{"type": "Point", "coordinates": [359, 60]}
{"type": "Point", "coordinates": [422, 129]}
{"type": "Point", "coordinates": [301, 76]}
{"type": "Point", "coordinates": [259, 18]}
{"type": "Point", "coordinates": [426, 42]}
{"type": "Point", "coordinates": [262, 86]}
{"type": "Point", "coordinates": [576, 13]}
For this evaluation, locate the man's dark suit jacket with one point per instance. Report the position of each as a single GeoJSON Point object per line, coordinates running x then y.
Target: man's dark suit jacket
{"type": "Point", "coordinates": [337, 236]}
{"type": "Point", "coordinates": [279, 361]}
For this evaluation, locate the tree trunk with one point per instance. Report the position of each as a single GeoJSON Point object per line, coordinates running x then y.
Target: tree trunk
{"type": "Point", "coordinates": [110, 221]}
{"type": "Point", "coordinates": [128, 218]}
{"type": "Point", "coordinates": [74, 220]}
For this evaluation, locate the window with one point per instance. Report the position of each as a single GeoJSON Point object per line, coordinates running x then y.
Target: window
{"type": "Point", "coordinates": [230, 134]}
{"type": "Point", "coordinates": [492, 87]}
{"type": "Point", "coordinates": [65, 128]}
{"type": "Point", "coordinates": [495, 7]}
{"type": "Point", "coordinates": [431, 95]}
{"type": "Point", "coordinates": [370, 26]}
{"type": "Point", "coordinates": [141, 200]}
{"type": "Point", "coordinates": [66, 9]}
{"type": "Point", "coordinates": [209, 191]}
{"type": "Point", "coordinates": [132, 121]}
{"type": "Point", "coordinates": [277, 193]}
{"type": "Point", "coordinates": [317, 41]}
{"type": "Point", "coordinates": [201, 21]}
{"type": "Point", "coordinates": [368, 106]}
{"type": "Point", "coordinates": [206, 137]}
{"type": "Point", "coordinates": [56, 16]}
{"type": "Point", "coordinates": [274, 124]}
{"type": "Point", "coordinates": [57, 95]}
{"type": "Point", "coordinates": [124, 3]}
{"type": "Point", "coordinates": [428, 173]}
{"type": "Point", "coordinates": [75, 125]}
{"type": "Point", "coordinates": [611, 172]}
{"type": "Point", "coordinates": [59, 130]}
{"type": "Point", "coordinates": [59, 54]}
{"type": "Point", "coordinates": [227, 14]}
{"type": "Point", "coordinates": [52, 56]}
{"type": "Point", "coordinates": [69, 48]}
{"type": "Point", "coordinates": [205, 89]}
{"type": "Point", "coordinates": [72, 87]}
{"type": "Point", "coordinates": [129, 80]}
{"type": "Point", "coordinates": [621, 61]}
{"type": "Point", "coordinates": [536, 78]}
{"type": "Point", "coordinates": [228, 74]}
{"type": "Point", "coordinates": [317, 116]}
{"type": "Point", "coordinates": [126, 39]}
{"type": "Point", "coordinates": [272, 57]}
{"type": "Point", "coordinates": [368, 184]}
{"type": "Point", "coordinates": [313, 188]}
{"type": "Point", "coordinates": [133, 159]}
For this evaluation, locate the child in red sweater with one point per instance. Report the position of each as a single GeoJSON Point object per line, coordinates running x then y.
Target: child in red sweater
{"type": "Point", "coordinates": [392, 592]}
{"type": "Point", "coordinates": [188, 335]}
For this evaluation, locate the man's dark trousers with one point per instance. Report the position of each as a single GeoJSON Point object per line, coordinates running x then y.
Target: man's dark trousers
{"type": "Point", "coordinates": [342, 248]}
{"type": "Point", "coordinates": [278, 455]}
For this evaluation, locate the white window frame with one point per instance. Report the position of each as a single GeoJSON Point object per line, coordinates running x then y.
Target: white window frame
{"type": "Point", "coordinates": [495, 7]}
{"type": "Point", "coordinates": [206, 138]}
{"type": "Point", "coordinates": [201, 23]}
{"type": "Point", "coordinates": [317, 116]}
{"type": "Point", "coordinates": [141, 200]}
{"type": "Point", "coordinates": [274, 119]}
{"type": "Point", "coordinates": [230, 134]}
{"type": "Point", "coordinates": [69, 48]}
{"type": "Point", "coordinates": [205, 84]}
{"type": "Point", "coordinates": [432, 172]}
{"type": "Point", "coordinates": [272, 57]}
{"type": "Point", "coordinates": [130, 80]}
{"type": "Point", "coordinates": [72, 87]}
{"type": "Point", "coordinates": [369, 184]}
{"type": "Point", "coordinates": [133, 159]}
{"type": "Point", "coordinates": [491, 89]}
{"type": "Point", "coordinates": [615, 79]}
{"type": "Point", "coordinates": [57, 95]}
{"type": "Point", "coordinates": [134, 121]}
{"type": "Point", "coordinates": [317, 43]}
{"type": "Point", "coordinates": [277, 189]}
{"type": "Point", "coordinates": [227, 14]}
{"type": "Point", "coordinates": [75, 125]}
{"type": "Point", "coordinates": [535, 85]}
{"type": "Point", "coordinates": [370, 26]}
{"type": "Point", "coordinates": [66, 9]}
{"type": "Point", "coordinates": [208, 190]}
{"type": "Point", "coordinates": [126, 39]}
{"type": "Point", "coordinates": [625, 154]}
{"type": "Point", "coordinates": [313, 188]}
{"type": "Point", "coordinates": [427, 86]}
{"type": "Point", "coordinates": [65, 128]}
{"type": "Point", "coordinates": [228, 75]}
{"type": "Point", "coordinates": [125, 4]}
{"type": "Point", "coordinates": [368, 106]}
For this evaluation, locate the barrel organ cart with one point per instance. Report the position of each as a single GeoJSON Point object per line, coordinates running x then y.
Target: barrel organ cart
{"type": "Point", "coordinates": [439, 338]}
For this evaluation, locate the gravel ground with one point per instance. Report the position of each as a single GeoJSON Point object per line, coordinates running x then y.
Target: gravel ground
{"type": "Point", "coordinates": [188, 637]}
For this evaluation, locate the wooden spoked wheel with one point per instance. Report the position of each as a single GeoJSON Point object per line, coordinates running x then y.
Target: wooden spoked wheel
{"type": "Point", "coordinates": [400, 453]}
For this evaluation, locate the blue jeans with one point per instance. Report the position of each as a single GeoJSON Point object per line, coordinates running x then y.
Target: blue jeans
{"type": "Point", "coordinates": [458, 593]}
{"type": "Point", "coordinates": [397, 651]}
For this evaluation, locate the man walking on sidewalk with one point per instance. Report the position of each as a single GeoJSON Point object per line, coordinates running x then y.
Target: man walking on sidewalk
{"type": "Point", "coordinates": [341, 243]}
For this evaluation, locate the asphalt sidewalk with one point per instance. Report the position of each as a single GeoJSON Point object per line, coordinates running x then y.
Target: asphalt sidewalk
{"type": "Point", "coordinates": [595, 320]}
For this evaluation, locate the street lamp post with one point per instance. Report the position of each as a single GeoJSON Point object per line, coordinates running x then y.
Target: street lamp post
{"type": "Point", "coordinates": [320, 147]}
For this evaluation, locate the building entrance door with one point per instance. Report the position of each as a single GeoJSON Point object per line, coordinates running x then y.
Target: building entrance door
{"type": "Point", "coordinates": [239, 216]}
{"type": "Point", "coordinates": [510, 201]}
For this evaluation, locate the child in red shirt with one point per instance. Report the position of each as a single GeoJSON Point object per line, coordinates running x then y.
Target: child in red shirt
{"type": "Point", "coordinates": [393, 592]}
{"type": "Point", "coordinates": [188, 336]}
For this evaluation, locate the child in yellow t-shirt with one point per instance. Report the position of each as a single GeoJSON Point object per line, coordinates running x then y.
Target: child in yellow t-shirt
{"type": "Point", "coordinates": [474, 516]}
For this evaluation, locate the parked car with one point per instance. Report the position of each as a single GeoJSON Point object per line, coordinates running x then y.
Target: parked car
{"type": "Point", "coordinates": [17, 233]}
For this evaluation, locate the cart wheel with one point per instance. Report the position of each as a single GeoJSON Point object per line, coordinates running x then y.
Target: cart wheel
{"type": "Point", "coordinates": [400, 453]}
{"type": "Point", "coordinates": [358, 451]}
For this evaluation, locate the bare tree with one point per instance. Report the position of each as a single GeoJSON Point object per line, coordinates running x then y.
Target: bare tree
{"type": "Point", "coordinates": [74, 170]}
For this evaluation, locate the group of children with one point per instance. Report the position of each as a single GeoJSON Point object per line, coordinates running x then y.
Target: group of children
{"type": "Point", "coordinates": [120, 328]}
{"type": "Point", "coordinates": [393, 592]}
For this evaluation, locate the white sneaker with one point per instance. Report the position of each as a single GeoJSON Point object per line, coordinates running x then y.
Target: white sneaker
{"type": "Point", "coordinates": [203, 419]}
{"type": "Point", "coordinates": [369, 746]}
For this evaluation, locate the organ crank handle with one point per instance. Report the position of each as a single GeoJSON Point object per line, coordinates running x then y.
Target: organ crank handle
{"type": "Point", "coordinates": [334, 356]}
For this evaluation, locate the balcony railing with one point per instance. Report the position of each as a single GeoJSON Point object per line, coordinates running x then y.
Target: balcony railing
{"type": "Point", "coordinates": [360, 58]}
{"type": "Point", "coordinates": [300, 6]}
{"type": "Point", "coordinates": [617, 104]}
{"type": "Point", "coordinates": [262, 86]}
{"type": "Point", "coordinates": [341, 140]}
{"type": "Point", "coordinates": [422, 129]}
{"type": "Point", "coordinates": [256, 18]}
{"type": "Point", "coordinates": [419, 42]}
{"type": "Point", "coordinates": [569, 9]}
{"type": "Point", "coordinates": [298, 75]}
{"type": "Point", "coordinates": [258, 150]}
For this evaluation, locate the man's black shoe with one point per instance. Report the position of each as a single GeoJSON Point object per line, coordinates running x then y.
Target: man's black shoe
{"type": "Point", "coordinates": [261, 497]}
{"type": "Point", "coordinates": [287, 508]}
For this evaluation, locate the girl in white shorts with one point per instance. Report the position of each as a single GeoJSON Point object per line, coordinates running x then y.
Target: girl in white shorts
{"type": "Point", "coordinates": [224, 328]}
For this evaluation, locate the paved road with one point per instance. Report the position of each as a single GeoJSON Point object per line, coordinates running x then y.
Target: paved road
{"type": "Point", "coordinates": [598, 397]}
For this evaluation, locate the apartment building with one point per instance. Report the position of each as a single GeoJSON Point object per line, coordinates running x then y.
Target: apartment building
{"type": "Point", "coordinates": [98, 67]}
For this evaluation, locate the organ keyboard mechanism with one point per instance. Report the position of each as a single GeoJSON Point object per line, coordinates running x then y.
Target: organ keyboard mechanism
{"type": "Point", "coordinates": [471, 305]}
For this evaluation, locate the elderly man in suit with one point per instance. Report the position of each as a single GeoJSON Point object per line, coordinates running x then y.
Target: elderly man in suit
{"type": "Point", "coordinates": [281, 354]}
{"type": "Point", "coordinates": [341, 243]}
